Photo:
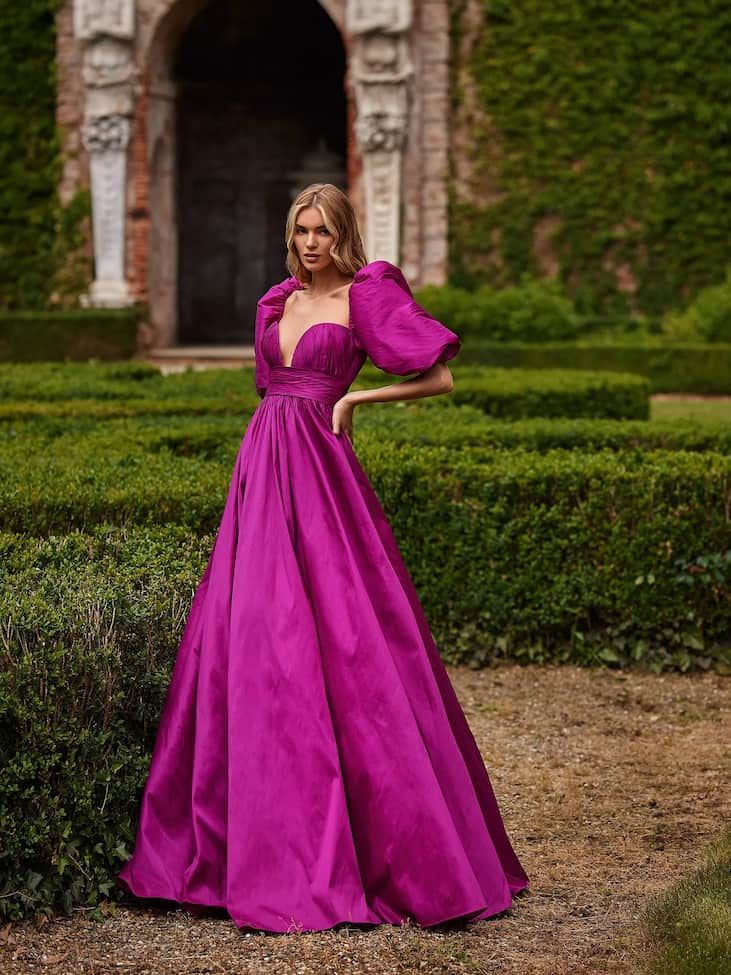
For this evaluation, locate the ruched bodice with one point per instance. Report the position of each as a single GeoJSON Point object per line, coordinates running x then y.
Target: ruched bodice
{"type": "Point", "coordinates": [325, 352]}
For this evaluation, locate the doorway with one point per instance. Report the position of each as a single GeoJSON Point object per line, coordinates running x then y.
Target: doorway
{"type": "Point", "coordinates": [260, 112]}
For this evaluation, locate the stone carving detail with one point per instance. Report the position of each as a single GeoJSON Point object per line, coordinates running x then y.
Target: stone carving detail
{"type": "Point", "coordinates": [113, 18]}
{"type": "Point", "coordinates": [107, 132]}
{"type": "Point", "coordinates": [382, 116]}
{"type": "Point", "coordinates": [364, 16]}
{"type": "Point", "coordinates": [108, 62]}
{"type": "Point", "coordinates": [107, 27]}
{"type": "Point", "coordinates": [381, 70]}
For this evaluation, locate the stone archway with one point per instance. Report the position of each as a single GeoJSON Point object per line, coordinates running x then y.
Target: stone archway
{"type": "Point", "coordinates": [119, 90]}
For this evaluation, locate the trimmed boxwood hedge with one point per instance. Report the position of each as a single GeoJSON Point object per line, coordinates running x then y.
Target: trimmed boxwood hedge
{"type": "Point", "coordinates": [458, 518]}
{"type": "Point", "coordinates": [90, 624]}
{"type": "Point", "coordinates": [704, 369]}
{"type": "Point", "coordinates": [27, 392]}
{"type": "Point", "coordinates": [419, 423]}
{"type": "Point", "coordinates": [32, 336]}
{"type": "Point", "coordinates": [521, 393]}
{"type": "Point", "coordinates": [57, 475]}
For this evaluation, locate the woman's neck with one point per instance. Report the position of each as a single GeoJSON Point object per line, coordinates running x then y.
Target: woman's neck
{"type": "Point", "coordinates": [326, 281]}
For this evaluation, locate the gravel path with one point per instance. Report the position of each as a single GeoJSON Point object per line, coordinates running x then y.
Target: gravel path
{"type": "Point", "coordinates": [610, 784]}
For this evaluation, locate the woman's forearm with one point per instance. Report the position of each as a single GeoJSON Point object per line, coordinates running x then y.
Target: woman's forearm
{"type": "Point", "coordinates": [435, 381]}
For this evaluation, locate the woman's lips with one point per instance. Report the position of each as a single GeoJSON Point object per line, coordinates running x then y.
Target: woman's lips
{"type": "Point", "coordinates": [311, 257]}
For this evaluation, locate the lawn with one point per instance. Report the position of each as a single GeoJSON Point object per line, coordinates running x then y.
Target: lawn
{"type": "Point", "coordinates": [700, 408]}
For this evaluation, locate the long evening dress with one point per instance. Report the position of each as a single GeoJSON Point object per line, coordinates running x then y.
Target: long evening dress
{"type": "Point", "coordinates": [313, 764]}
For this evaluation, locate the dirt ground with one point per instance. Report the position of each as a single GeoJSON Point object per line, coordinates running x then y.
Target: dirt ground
{"type": "Point", "coordinates": [610, 784]}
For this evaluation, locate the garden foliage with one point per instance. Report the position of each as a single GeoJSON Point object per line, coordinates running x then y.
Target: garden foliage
{"type": "Point", "coordinates": [597, 134]}
{"type": "Point", "coordinates": [595, 541]}
{"type": "Point", "coordinates": [42, 259]}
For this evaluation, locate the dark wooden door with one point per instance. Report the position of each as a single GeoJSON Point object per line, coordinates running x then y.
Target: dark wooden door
{"type": "Point", "coordinates": [235, 169]}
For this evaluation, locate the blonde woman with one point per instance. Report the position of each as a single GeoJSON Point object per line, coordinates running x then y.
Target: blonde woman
{"type": "Point", "coordinates": [313, 765]}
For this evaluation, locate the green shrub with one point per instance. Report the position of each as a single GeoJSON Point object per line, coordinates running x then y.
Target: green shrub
{"type": "Point", "coordinates": [68, 335]}
{"type": "Point", "coordinates": [90, 625]}
{"type": "Point", "coordinates": [498, 532]}
{"type": "Point", "coordinates": [513, 393]}
{"type": "Point", "coordinates": [535, 311]}
{"type": "Point", "coordinates": [120, 389]}
{"type": "Point", "coordinates": [419, 423]}
{"type": "Point", "coordinates": [135, 389]}
{"type": "Point", "coordinates": [669, 368]}
{"type": "Point", "coordinates": [466, 427]}
{"type": "Point", "coordinates": [77, 488]}
{"type": "Point", "coordinates": [707, 318]}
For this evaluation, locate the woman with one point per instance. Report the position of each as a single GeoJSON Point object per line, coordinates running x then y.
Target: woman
{"type": "Point", "coordinates": [313, 765]}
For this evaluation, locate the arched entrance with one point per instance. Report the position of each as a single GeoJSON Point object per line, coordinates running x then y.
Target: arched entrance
{"type": "Point", "coordinates": [259, 111]}
{"type": "Point", "coordinates": [199, 117]}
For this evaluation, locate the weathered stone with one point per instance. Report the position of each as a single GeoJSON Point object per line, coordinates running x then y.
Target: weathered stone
{"type": "Point", "coordinates": [116, 72]}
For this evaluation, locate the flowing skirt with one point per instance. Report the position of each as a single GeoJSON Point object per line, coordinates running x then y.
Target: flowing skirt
{"type": "Point", "coordinates": [313, 764]}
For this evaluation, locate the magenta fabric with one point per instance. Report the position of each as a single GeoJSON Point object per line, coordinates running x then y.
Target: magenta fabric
{"type": "Point", "coordinates": [313, 765]}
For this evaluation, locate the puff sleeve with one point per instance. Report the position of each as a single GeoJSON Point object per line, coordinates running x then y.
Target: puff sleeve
{"type": "Point", "coordinates": [269, 309]}
{"type": "Point", "coordinates": [391, 328]}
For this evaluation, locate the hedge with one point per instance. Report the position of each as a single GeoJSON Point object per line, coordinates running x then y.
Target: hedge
{"type": "Point", "coordinates": [458, 515]}
{"type": "Point", "coordinates": [520, 393]}
{"type": "Point", "coordinates": [90, 626]}
{"type": "Point", "coordinates": [607, 558]}
{"type": "Point", "coordinates": [125, 392]}
{"type": "Point", "coordinates": [416, 422]}
{"type": "Point", "coordinates": [68, 335]}
{"type": "Point", "coordinates": [466, 427]}
{"type": "Point", "coordinates": [534, 311]}
{"type": "Point", "coordinates": [704, 369]}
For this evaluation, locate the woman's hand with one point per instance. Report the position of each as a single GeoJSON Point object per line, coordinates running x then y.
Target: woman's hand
{"type": "Point", "coordinates": [343, 416]}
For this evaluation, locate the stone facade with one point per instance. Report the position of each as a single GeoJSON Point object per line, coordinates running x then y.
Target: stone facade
{"type": "Point", "coordinates": [118, 108]}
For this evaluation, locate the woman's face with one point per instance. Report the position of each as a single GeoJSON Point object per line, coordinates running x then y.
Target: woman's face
{"type": "Point", "coordinates": [313, 240]}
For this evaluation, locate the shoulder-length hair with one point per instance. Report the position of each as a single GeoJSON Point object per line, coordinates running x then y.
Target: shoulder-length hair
{"type": "Point", "coordinates": [338, 215]}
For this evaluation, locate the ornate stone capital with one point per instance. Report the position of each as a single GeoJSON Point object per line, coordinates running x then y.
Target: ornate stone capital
{"type": "Point", "coordinates": [106, 133]}
{"type": "Point", "coordinates": [382, 117]}
{"type": "Point", "coordinates": [365, 16]}
{"type": "Point", "coordinates": [97, 18]}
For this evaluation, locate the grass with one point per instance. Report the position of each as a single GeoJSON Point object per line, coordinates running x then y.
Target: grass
{"type": "Point", "coordinates": [690, 926]}
{"type": "Point", "coordinates": [712, 409]}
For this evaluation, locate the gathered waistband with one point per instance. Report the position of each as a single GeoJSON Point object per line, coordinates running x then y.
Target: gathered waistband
{"type": "Point", "coordinates": [307, 383]}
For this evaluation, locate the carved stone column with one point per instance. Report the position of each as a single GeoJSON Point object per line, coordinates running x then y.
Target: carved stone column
{"type": "Point", "coordinates": [381, 70]}
{"type": "Point", "coordinates": [107, 28]}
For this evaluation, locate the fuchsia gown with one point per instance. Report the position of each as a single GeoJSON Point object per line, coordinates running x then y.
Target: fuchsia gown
{"type": "Point", "coordinates": [313, 765]}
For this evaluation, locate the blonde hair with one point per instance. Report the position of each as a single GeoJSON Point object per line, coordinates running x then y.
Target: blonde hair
{"type": "Point", "coordinates": [338, 215]}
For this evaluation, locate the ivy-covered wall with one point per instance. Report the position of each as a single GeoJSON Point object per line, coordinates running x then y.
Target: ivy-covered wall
{"type": "Point", "coordinates": [29, 152]}
{"type": "Point", "coordinates": [592, 143]}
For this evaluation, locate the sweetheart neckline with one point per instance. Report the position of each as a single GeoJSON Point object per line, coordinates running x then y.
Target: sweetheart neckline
{"type": "Point", "coordinates": [297, 343]}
